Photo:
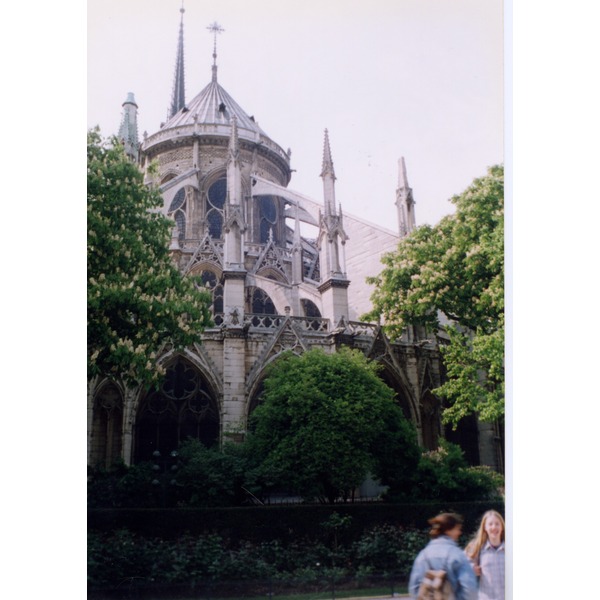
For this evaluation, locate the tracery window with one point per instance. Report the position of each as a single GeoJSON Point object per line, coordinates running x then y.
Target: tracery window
{"type": "Point", "coordinates": [179, 208]}
{"type": "Point", "coordinates": [215, 204]}
{"type": "Point", "coordinates": [183, 407]}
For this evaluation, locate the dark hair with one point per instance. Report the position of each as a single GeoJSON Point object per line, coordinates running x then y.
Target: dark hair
{"type": "Point", "coordinates": [443, 523]}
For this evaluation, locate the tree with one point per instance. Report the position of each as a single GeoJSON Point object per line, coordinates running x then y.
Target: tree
{"type": "Point", "coordinates": [318, 430]}
{"type": "Point", "coordinates": [455, 269]}
{"type": "Point", "coordinates": [137, 301]}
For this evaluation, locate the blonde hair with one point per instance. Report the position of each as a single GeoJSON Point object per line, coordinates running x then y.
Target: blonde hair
{"type": "Point", "coordinates": [481, 537]}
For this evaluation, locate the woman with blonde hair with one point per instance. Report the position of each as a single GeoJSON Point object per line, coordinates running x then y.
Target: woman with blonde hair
{"type": "Point", "coordinates": [486, 553]}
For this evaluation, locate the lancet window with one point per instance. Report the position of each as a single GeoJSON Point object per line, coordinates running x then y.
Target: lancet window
{"type": "Point", "coordinates": [215, 206]}
{"type": "Point", "coordinates": [107, 427]}
{"type": "Point", "coordinates": [210, 281]}
{"type": "Point", "coordinates": [179, 209]}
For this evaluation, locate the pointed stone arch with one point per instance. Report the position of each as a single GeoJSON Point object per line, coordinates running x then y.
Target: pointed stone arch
{"type": "Point", "coordinates": [393, 374]}
{"type": "Point", "coordinates": [107, 424]}
{"type": "Point", "coordinates": [207, 252]}
{"type": "Point", "coordinates": [185, 405]}
{"type": "Point", "coordinates": [271, 263]}
{"type": "Point", "coordinates": [287, 339]}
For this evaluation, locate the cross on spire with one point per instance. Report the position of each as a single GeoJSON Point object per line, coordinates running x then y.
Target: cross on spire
{"type": "Point", "coordinates": [215, 28]}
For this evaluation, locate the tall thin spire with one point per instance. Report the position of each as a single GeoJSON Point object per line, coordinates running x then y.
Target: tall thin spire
{"type": "Point", "coordinates": [215, 28]}
{"type": "Point", "coordinates": [405, 202]}
{"type": "Point", "coordinates": [328, 176]}
{"type": "Point", "coordinates": [327, 160]}
{"type": "Point", "coordinates": [178, 97]}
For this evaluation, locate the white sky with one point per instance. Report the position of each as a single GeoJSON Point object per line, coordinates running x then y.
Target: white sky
{"type": "Point", "coordinates": [421, 79]}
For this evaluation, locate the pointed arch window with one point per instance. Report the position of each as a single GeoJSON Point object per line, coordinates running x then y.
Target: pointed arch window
{"type": "Point", "coordinates": [107, 427]}
{"type": "Point", "coordinates": [210, 281]}
{"type": "Point", "coordinates": [215, 207]}
{"type": "Point", "coordinates": [430, 420]}
{"type": "Point", "coordinates": [183, 407]}
{"type": "Point", "coordinates": [179, 209]}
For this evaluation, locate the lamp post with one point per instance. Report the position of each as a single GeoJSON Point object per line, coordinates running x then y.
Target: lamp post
{"type": "Point", "coordinates": [165, 470]}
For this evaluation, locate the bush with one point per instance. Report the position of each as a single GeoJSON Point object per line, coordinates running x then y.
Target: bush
{"type": "Point", "coordinates": [122, 556]}
{"type": "Point", "coordinates": [444, 475]}
{"type": "Point", "coordinates": [122, 487]}
{"type": "Point", "coordinates": [389, 549]}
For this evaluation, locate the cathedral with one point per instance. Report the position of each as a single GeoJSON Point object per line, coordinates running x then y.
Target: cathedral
{"type": "Point", "coordinates": [286, 273]}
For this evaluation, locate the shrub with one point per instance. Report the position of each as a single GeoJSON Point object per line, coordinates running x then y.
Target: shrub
{"type": "Point", "coordinates": [388, 549]}
{"type": "Point", "coordinates": [444, 475]}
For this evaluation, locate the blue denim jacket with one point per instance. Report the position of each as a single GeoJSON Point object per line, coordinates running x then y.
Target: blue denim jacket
{"type": "Point", "coordinates": [444, 553]}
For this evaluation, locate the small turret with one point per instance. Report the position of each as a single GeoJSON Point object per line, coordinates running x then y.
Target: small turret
{"type": "Point", "coordinates": [128, 131]}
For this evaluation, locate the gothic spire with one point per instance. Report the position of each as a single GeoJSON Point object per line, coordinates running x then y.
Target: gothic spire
{"type": "Point", "coordinates": [402, 178]}
{"type": "Point", "coordinates": [178, 97]}
{"type": "Point", "coordinates": [405, 202]}
{"type": "Point", "coordinates": [327, 161]}
{"type": "Point", "coordinates": [328, 176]}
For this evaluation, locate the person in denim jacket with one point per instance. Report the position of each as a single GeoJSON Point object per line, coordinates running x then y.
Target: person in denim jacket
{"type": "Point", "coordinates": [486, 553]}
{"type": "Point", "coordinates": [443, 553]}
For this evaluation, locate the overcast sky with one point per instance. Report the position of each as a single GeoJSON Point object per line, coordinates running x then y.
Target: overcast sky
{"type": "Point", "coordinates": [422, 79]}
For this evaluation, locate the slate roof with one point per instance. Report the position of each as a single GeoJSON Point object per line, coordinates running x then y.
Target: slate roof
{"type": "Point", "coordinates": [213, 105]}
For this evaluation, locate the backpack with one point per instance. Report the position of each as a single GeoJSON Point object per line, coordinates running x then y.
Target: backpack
{"type": "Point", "coordinates": [435, 586]}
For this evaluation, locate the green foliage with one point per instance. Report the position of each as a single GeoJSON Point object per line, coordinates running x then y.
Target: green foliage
{"type": "Point", "coordinates": [121, 487]}
{"type": "Point", "coordinates": [137, 300]}
{"type": "Point", "coordinates": [444, 474]}
{"type": "Point", "coordinates": [389, 549]}
{"type": "Point", "coordinates": [318, 431]}
{"type": "Point", "coordinates": [123, 557]}
{"type": "Point", "coordinates": [210, 476]}
{"type": "Point", "coordinates": [456, 269]}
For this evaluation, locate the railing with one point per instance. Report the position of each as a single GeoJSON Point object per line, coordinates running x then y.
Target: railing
{"type": "Point", "coordinates": [213, 129]}
{"type": "Point", "coordinates": [317, 324]}
{"type": "Point", "coordinates": [309, 324]}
